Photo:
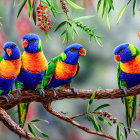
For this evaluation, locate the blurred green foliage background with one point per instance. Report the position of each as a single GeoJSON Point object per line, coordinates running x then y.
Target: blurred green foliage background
{"type": "Point", "coordinates": [98, 68]}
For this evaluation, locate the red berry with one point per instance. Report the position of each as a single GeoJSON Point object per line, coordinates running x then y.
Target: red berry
{"type": "Point", "coordinates": [40, 5]}
{"type": "Point", "coordinates": [42, 21]}
{"type": "Point", "coordinates": [45, 25]}
{"type": "Point", "coordinates": [46, 30]}
{"type": "Point", "coordinates": [39, 19]}
{"type": "Point", "coordinates": [48, 23]}
{"type": "Point", "coordinates": [41, 27]}
{"type": "Point", "coordinates": [50, 27]}
{"type": "Point", "coordinates": [49, 20]}
{"type": "Point", "coordinates": [39, 24]}
{"type": "Point", "coordinates": [47, 12]}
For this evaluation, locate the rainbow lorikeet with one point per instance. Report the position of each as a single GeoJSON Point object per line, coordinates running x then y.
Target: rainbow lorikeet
{"type": "Point", "coordinates": [128, 75]}
{"type": "Point", "coordinates": [63, 68]}
{"type": "Point", "coordinates": [10, 65]}
{"type": "Point", "coordinates": [32, 71]}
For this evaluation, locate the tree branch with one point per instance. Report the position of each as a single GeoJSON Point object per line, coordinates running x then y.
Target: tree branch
{"type": "Point", "coordinates": [7, 121]}
{"type": "Point", "coordinates": [33, 96]}
{"type": "Point", "coordinates": [68, 119]}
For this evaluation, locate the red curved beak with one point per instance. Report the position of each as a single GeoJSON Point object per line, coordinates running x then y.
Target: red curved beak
{"type": "Point", "coordinates": [9, 51]}
{"type": "Point", "coordinates": [25, 44]}
{"type": "Point", "coordinates": [117, 58]}
{"type": "Point", "coordinates": [82, 52]}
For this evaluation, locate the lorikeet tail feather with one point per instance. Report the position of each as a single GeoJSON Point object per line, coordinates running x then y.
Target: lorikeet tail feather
{"type": "Point", "coordinates": [131, 109]}
{"type": "Point", "coordinates": [22, 113]}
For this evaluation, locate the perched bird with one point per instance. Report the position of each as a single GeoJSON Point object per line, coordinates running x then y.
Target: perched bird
{"type": "Point", "coordinates": [32, 71]}
{"type": "Point", "coordinates": [63, 68]}
{"type": "Point", "coordinates": [128, 75]}
{"type": "Point", "coordinates": [10, 65]}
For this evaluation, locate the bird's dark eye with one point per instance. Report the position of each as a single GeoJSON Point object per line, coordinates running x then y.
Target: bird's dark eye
{"type": "Point", "coordinates": [33, 40]}
{"type": "Point", "coordinates": [121, 51]}
{"type": "Point", "coordinates": [14, 46]}
{"type": "Point", "coordinates": [73, 50]}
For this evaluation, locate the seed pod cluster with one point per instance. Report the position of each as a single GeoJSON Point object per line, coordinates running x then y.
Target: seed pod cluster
{"type": "Point", "coordinates": [108, 115]}
{"type": "Point", "coordinates": [85, 28]}
{"type": "Point", "coordinates": [64, 6]}
{"type": "Point", "coordinates": [43, 16]}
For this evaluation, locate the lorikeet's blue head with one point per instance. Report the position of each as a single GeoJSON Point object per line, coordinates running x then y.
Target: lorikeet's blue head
{"type": "Point", "coordinates": [32, 43]}
{"type": "Point", "coordinates": [125, 52]}
{"type": "Point", "coordinates": [73, 52]}
{"type": "Point", "coordinates": [11, 51]}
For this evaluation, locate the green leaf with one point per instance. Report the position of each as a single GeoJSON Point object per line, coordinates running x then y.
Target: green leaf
{"type": "Point", "coordinates": [60, 25]}
{"type": "Point", "coordinates": [91, 100]}
{"type": "Point", "coordinates": [108, 22]}
{"type": "Point", "coordinates": [135, 132]}
{"type": "Point", "coordinates": [72, 32]}
{"type": "Point", "coordinates": [103, 120]}
{"type": "Point", "coordinates": [63, 33]}
{"type": "Point", "coordinates": [16, 111]}
{"type": "Point", "coordinates": [104, 7]}
{"type": "Point", "coordinates": [34, 12]}
{"type": "Point", "coordinates": [122, 135]}
{"type": "Point", "coordinates": [118, 132]}
{"type": "Point", "coordinates": [98, 5]}
{"type": "Point", "coordinates": [21, 7]}
{"type": "Point", "coordinates": [38, 120]}
{"type": "Point", "coordinates": [29, 8]}
{"type": "Point", "coordinates": [111, 4]}
{"type": "Point", "coordinates": [93, 122]}
{"type": "Point", "coordinates": [98, 41]}
{"type": "Point", "coordinates": [98, 125]}
{"type": "Point", "coordinates": [32, 131]}
{"type": "Point", "coordinates": [125, 132]}
{"type": "Point", "coordinates": [67, 36]}
{"type": "Point", "coordinates": [74, 5]}
{"type": "Point", "coordinates": [122, 11]}
{"type": "Point", "coordinates": [121, 124]}
{"type": "Point", "coordinates": [134, 7]}
{"type": "Point", "coordinates": [101, 106]}
{"type": "Point", "coordinates": [84, 17]}
{"type": "Point", "coordinates": [43, 134]}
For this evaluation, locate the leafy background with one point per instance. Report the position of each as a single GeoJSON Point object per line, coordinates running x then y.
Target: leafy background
{"type": "Point", "coordinates": [98, 68]}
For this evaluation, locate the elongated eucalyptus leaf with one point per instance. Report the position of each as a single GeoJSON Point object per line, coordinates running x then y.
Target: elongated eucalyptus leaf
{"type": "Point", "coordinates": [93, 122]}
{"type": "Point", "coordinates": [29, 8]}
{"type": "Point", "coordinates": [134, 7]}
{"type": "Point", "coordinates": [21, 7]}
{"type": "Point", "coordinates": [60, 25]}
{"type": "Point", "coordinates": [103, 120]}
{"type": "Point", "coordinates": [34, 12]}
{"type": "Point", "coordinates": [135, 132]}
{"type": "Point", "coordinates": [111, 4]}
{"type": "Point", "coordinates": [118, 132]}
{"type": "Point", "coordinates": [74, 5]}
{"type": "Point", "coordinates": [16, 111]}
{"type": "Point", "coordinates": [104, 7]}
{"type": "Point", "coordinates": [84, 17]}
{"type": "Point", "coordinates": [98, 5]}
{"type": "Point", "coordinates": [38, 120]}
{"type": "Point", "coordinates": [32, 131]}
{"type": "Point", "coordinates": [101, 107]}
{"type": "Point", "coordinates": [91, 100]}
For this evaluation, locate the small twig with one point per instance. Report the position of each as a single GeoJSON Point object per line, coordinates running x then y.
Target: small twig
{"type": "Point", "coordinates": [68, 119]}
{"type": "Point", "coordinates": [78, 115]}
{"type": "Point", "coordinates": [7, 121]}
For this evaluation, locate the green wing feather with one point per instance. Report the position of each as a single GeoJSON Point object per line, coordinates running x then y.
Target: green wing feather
{"type": "Point", "coordinates": [130, 102]}
{"type": "Point", "coordinates": [1, 58]}
{"type": "Point", "coordinates": [51, 69]}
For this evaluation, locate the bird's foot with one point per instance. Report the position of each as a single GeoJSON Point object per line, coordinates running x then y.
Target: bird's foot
{"type": "Point", "coordinates": [19, 92]}
{"type": "Point", "coordinates": [54, 91]}
{"type": "Point", "coordinates": [75, 91]}
{"type": "Point", "coordinates": [41, 92]}
{"type": "Point", "coordinates": [7, 97]}
{"type": "Point", "coordinates": [125, 90]}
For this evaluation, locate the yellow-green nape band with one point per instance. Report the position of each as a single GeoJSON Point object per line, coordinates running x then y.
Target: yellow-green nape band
{"type": "Point", "coordinates": [132, 48]}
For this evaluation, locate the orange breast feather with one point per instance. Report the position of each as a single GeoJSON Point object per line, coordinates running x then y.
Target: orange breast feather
{"type": "Point", "coordinates": [132, 67]}
{"type": "Point", "coordinates": [64, 70]}
{"type": "Point", "coordinates": [10, 69]}
{"type": "Point", "coordinates": [34, 62]}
